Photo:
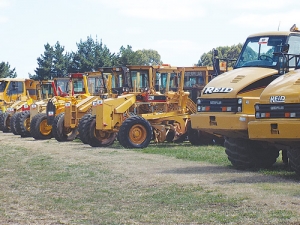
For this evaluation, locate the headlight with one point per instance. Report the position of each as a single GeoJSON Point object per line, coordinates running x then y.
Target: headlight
{"type": "Point", "coordinates": [198, 101]}
{"type": "Point", "coordinates": [240, 101]}
{"type": "Point", "coordinates": [257, 115]}
{"type": "Point", "coordinates": [256, 107]}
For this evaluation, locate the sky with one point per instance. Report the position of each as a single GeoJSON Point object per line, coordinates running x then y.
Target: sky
{"type": "Point", "coordinates": [179, 30]}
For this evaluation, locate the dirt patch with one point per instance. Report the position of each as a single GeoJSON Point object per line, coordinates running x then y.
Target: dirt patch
{"type": "Point", "coordinates": [262, 191]}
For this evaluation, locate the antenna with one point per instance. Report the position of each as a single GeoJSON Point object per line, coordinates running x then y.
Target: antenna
{"type": "Point", "coordinates": [278, 26]}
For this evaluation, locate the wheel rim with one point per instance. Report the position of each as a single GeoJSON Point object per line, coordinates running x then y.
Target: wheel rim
{"type": "Point", "coordinates": [27, 124]}
{"type": "Point", "coordinates": [104, 137]}
{"type": "Point", "coordinates": [137, 134]}
{"type": "Point", "coordinates": [45, 129]}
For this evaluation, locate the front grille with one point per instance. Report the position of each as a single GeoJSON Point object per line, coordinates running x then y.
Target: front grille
{"type": "Point", "coordinates": [219, 105]}
{"type": "Point", "coordinates": [287, 110]}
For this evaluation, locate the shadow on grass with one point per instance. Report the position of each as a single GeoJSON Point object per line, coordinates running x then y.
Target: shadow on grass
{"type": "Point", "coordinates": [277, 174]}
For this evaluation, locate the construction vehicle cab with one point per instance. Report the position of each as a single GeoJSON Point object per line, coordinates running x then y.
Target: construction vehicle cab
{"type": "Point", "coordinates": [227, 102]}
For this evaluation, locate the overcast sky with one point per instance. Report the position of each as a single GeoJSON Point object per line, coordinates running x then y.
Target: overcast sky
{"type": "Point", "coordinates": [180, 30]}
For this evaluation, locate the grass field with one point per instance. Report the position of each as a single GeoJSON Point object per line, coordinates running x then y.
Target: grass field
{"type": "Point", "coordinates": [39, 188]}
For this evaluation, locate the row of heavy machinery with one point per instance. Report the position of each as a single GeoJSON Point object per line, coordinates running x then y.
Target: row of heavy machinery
{"type": "Point", "coordinates": [140, 103]}
{"type": "Point", "coordinates": [253, 109]}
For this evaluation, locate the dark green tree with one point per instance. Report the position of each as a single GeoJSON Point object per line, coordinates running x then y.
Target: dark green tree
{"type": "Point", "coordinates": [5, 70]}
{"type": "Point", "coordinates": [90, 56]}
{"type": "Point", "coordinates": [60, 61]}
{"type": "Point", "coordinates": [45, 62]}
{"type": "Point", "coordinates": [53, 63]}
{"type": "Point", "coordinates": [147, 57]}
{"type": "Point", "coordinates": [127, 56]}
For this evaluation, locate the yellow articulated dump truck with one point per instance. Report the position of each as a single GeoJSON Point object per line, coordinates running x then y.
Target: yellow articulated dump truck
{"type": "Point", "coordinates": [277, 114]}
{"type": "Point", "coordinates": [227, 102]}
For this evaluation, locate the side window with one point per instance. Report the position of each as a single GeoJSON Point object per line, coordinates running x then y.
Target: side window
{"type": "Point", "coordinates": [294, 42]}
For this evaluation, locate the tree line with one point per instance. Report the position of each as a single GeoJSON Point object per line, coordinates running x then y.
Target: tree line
{"type": "Point", "coordinates": [92, 54]}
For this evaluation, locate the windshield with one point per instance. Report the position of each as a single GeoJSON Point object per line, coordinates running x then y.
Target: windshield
{"type": "Point", "coordinates": [258, 51]}
{"type": "Point", "coordinates": [78, 86]}
{"type": "Point", "coordinates": [3, 85]}
{"type": "Point", "coordinates": [47, 90]}
{"type": "Point", "coordinates": [95, 84]}
{"type": "Point", "coordinates": [140, 79]}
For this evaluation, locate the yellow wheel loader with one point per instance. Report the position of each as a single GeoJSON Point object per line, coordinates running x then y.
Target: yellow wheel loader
{"type": "Point", "coordinates": [226, 105]}
{"type": "Point", "coordinates": [144, 114]}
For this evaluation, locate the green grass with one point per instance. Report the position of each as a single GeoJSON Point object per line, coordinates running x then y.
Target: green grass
{"type": "Point", "coordinates": [212, 154]}
{"type": "Point", "coordinates": [36, 187]}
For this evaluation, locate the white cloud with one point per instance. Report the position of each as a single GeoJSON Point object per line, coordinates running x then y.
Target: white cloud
{"type": "Point", "coordinates": [4, 3]}
{"type": "Point", "coordinates": [157, 9]}
{"type": "Point", "coordinates": [268, 21]}
{"type": "Point", "coordinates": [3, 19]}
{"type": "Point", "coordinates": [177, 45]}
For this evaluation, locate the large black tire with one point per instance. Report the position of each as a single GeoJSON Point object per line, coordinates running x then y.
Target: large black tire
{"type": "Point", "coordinates": [135, 132]}
{"type": "Point", "coordinates": [97, 138]}
{"type": "Point", "coordinates": [1, 120]}
{"type": "Point", "coordinates": [39, 129]}
{"type": "Point", "coordinates": [23, 124]}
{"type": "Point", "coordinates": [248, 154]}
{"type": "Point", "coordinates": [5, 123]}
{"type": "Point", "coordinates": [294, 159]}
{"type": "Point", "coordinates": [81, 127]}
{"type": "Point", "coordinates": [61, 133]}
{"type": "Point", "coordinates": [13, 123]}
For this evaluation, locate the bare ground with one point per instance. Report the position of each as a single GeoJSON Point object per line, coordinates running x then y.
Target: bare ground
{"type": "Point", "coordinates": [154, 170]}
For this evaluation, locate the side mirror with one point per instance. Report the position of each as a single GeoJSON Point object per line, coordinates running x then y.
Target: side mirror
{"type": "Point", "coordinates": [285, 48]}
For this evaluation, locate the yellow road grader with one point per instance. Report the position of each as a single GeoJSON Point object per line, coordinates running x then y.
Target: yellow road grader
{"type": "Point", "coordinates": [16, 96]}
{"type": "Point", "coordinates": [156, 107]}
{"type": "Point", "coordinates": [105, 83]}
{"type": "Point", "coordinates": [72, 88]}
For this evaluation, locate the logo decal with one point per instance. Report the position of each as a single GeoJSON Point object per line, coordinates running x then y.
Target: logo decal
{"type": "Point", "coordinates": [277, 99]}
{"type": "Point", "coordinates": [210, 90]}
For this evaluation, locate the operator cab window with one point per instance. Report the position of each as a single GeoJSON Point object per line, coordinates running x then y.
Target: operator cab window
{"type": "Point", "coordinates": [258, 51]}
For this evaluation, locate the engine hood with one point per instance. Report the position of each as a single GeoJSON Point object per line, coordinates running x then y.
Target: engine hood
{"type": "Point", "coordinates": [284, 89]}
{"type": "Point", "coordinates": [229, 84]}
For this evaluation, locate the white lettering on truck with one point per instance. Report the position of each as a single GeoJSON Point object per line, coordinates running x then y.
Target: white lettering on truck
{"type": "Point", "coordinates": [210, 90]}
{"type": "Point", "coordinates": [277, 99]}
